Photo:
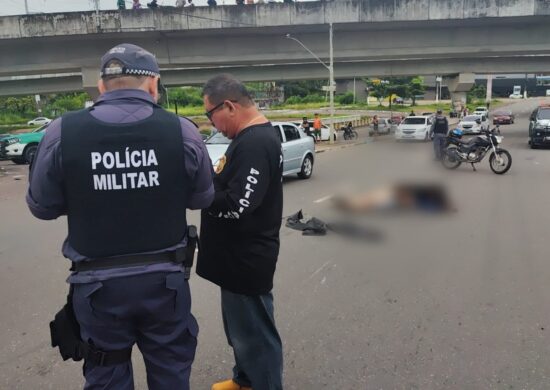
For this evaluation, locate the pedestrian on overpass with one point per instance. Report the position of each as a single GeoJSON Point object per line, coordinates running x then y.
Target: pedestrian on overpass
{"type": "Point", "coordinates": [240, 234]}
{"type": "Point", "coordinates": [121, 4]}
{"type": "Point", "coordinates": [136, 5]}
{"type": "Point", "coordinates": [317, 126]}
{"type": "Point", "coordinates": [124, 171]}
{"type": "Point", "coordinates": [440, 130]}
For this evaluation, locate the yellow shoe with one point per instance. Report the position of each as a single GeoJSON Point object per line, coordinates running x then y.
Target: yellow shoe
{"type": "Point", "coordinates": [229, 385]}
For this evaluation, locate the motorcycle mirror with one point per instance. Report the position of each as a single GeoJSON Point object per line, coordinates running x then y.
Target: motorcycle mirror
{"type": "Point", "coordinates": [478, 121]}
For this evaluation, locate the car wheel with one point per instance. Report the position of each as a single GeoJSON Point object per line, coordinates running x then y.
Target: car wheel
{"type": "Point", "coordinates": [19, 161]}
{"type": "Point", "coordinates": [29, 153]}
{"type": "Point", "coordinates": [307, 168]}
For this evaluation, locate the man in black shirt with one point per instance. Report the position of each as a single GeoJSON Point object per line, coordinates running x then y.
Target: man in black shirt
{"type": "Point", "coordinates": [240, 233]}
{"type": "Point", "coordinates": [440, 130]}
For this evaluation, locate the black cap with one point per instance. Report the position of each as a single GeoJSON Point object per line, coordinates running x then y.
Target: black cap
{"type": "Point", "coordinates": [136, 61]}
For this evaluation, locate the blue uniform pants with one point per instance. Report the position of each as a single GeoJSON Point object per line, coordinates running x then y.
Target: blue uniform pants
{"type": "Point", "coordinates": [439, 143]}
{"type": "Point", "coordinates": [249, 325]}
{"type": "Point", "coordinates": [150, 310]}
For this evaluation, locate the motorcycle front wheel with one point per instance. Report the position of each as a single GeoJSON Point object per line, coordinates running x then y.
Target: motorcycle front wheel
{"type": "Point", "coordinates": [501, 164]}
{"type": "Point", "coordinates": [449, 161]}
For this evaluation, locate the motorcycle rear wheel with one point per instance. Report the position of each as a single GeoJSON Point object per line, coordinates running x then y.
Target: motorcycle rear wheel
{"type": "Point", "coordinates": [504, 165]}
{"type": "Point", "coordinates": [449, 162]}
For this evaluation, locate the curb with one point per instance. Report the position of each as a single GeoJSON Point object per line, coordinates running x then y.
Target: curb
{"type": "Point", "coordinates": [343, 146]}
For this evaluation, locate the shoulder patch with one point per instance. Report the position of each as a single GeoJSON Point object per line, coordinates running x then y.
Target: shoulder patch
{"type": "Point", "coordinates": [220, 164]}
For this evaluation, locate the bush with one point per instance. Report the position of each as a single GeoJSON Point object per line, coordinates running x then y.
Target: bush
{"type": "Point", "coordinates": [294, 100]}
{"type": "Point", "coordinates": [185, 96]}
{"type": "Point", "coordinates": [346, 98]}
{"type": "Point", "coordinates": [314, 98]}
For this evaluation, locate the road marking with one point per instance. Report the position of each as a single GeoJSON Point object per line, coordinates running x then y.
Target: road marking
{"type": "Point", "coordinates": [317, 271]}
{"type": "Point", "coordinates": [322, 199]}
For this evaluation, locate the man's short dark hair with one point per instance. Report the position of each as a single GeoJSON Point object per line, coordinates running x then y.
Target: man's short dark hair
{"type": "Point", "coordinates": [226, 87]}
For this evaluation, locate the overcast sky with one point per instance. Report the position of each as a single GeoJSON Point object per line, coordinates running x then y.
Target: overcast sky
{"type": "Point", "coordinates": [17, 7]}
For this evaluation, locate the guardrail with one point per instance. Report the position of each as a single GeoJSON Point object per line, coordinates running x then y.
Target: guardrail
{"type": "Point", "coordinates": [338, 121]}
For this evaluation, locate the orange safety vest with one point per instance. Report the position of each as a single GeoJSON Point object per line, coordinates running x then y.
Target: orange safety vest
{"type": "Point", "coordinates": [317, 124]}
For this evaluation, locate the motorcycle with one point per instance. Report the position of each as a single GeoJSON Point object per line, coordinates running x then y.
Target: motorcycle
{"type": "Point", "coordinates": [456, 151]}
{"type": "Point", "coordinates": [349, 133]}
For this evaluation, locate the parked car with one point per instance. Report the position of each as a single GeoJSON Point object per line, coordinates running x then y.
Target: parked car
{"type": "Point", "coordinates": [21, 148]}
{"type": "Point", "coordinates": [503, 117]}
{"type": "Point", "coordinates": [473, 124]}
{"type": "Point", "coordinates": [539, 127]}
{"type": "Point", "coordinates": [298, 149]}
{"type": "Point", "coordinates": [40, 121]}
{"type": "Point", "coordinates": [325, 131]}
{"type": "Point", "coordinates": [481, 111]}
{"type": "Point", "coordinates": [415, 128]}
{"type": "Point", "coordinates": [397, 119]}
{"type": "Point", "coordinates": [385, 126]}
{"type": "Point", "coordinates": [516, 96]}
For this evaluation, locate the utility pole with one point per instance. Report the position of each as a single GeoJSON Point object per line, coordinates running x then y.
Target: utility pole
{"type": "Point", "coordinates": [332, 87]}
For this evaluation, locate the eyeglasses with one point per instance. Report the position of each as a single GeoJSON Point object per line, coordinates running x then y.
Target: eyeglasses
{"type": "Point", "coordinates": [211, 112]}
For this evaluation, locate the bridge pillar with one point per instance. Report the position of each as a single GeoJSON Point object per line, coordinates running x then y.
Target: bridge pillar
{"type": "Point", "coordinates": [459, 86]}
{"type": "Point", "coordinates": [89, 82]}
{"type": "Point", "coordinates": [359, 86]}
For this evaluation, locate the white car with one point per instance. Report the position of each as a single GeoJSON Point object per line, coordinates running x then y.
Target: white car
{"type": "Point", "coordinates": [473, 124]}
{"type": "Point", "coordinates": [414, 128]}
{"type": "Point", "coordinates": [481, 111]}
{"type": "Point", "coordinates": [516, 96]}
{"type": "Point", "coordinates": [298, 149]}
{"type": "Point", "coordinates": [325, 131]}
{"type": "Point", "coordinates": [40, 121]}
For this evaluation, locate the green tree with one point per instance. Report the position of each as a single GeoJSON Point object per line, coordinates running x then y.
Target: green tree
{"type": "Point", "coordinates": [377, 89]}
{"type": "Point", "coordinates": [416, 87]}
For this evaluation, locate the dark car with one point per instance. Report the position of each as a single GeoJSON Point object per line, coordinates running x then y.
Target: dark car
{"type": "Point", "coordinates": [503, 118]}
{"type": "Point", "coordinates": [539, 127]}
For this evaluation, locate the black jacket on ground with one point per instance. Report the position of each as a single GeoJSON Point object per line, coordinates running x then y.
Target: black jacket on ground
{"type": "Point", "coordinates": [240, 231]}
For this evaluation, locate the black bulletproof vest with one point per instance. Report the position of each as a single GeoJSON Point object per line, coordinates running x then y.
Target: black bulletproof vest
{"type": "Point", "coordinates": [126, 184]}
{"type": "Point", "coordinates": [440, 125]}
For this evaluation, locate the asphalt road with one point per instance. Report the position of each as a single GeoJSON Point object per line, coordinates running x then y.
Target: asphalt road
{"type": "Point", "coordinates": [450, 302]}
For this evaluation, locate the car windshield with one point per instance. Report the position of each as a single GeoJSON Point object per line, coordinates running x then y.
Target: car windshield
{"type": "Point", "coordinates": [41, 128]}
{"type": "Point", "coordinates": [218, 139]}
{"type": "Point", "coordinates": [481, 109]}
{"type": "Point", "coordinates": [414, 121]}
{"type": "Point", "coordinates": [471, 118]}
{"type": "Point", "coordinates": [503, 113]}
{"type": "Point", "coordinates": [544, 114]}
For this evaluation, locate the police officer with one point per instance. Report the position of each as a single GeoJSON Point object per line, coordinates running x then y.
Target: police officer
{"type": "Point", "coordinates": [124, 172]}
{"type": "Point", "coordinates": [439, 130]}
{"type": "Point", "coordinates": [240, 234]}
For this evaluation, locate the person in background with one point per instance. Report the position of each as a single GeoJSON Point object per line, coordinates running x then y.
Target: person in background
{"type": "Point", "coordinates": [121, 4]}
{"type": "Point", "coordinates": [189, 4]}
{"type": "Point", "coordinates": [212, 3]}
{"type": "Point", "coordinates": [317, 126]}
{"type": "Point", "coordinates": [440, 130]}
{"type": "Point", "coordinates": [375, 124]}
{"type": "Point", "coordinates": [306, 126]}
{"type": "Point", "coordinates": [136, 4]}
{"type": "Point", "coordinates": [412, 113]}
{"type": "Point", "coordinates": [180, 3]}
{"type": "Point", "coordinates": [153, 4]}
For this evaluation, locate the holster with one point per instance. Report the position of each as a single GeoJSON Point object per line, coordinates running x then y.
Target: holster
{"type": "Point", "coordinates": [65, 334]}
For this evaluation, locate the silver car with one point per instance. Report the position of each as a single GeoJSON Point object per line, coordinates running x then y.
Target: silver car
{"type": "Point", "coordinates": [298, 149]}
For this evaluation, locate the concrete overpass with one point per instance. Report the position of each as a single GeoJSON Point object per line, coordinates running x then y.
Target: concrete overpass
{"type": "Point", "coordinates": [372, 38]}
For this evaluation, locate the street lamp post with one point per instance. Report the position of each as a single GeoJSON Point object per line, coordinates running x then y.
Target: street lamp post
{"type": "Point", "coordinates": [330, 67]}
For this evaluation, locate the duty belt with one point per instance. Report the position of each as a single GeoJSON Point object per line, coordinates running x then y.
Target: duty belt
{"type": "Point", "coordinates": [184, 256]}
{"type": "Point", "coordinates": [178, 256]}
